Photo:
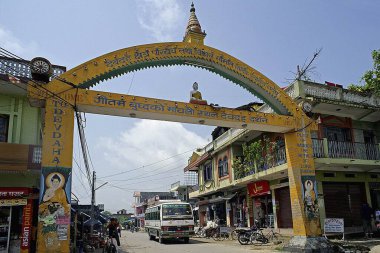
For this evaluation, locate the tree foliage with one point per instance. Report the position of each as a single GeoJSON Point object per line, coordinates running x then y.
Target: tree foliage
{"type": "Point", "coordinates": [371, 77]}
{"type": "Point", "coordinates": [256, 155]}
{"type": "Point", "coordinates": [107, 213]}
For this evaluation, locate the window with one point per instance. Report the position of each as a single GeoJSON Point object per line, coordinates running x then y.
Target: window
{"type": "Point", "coordinates": [207, 171]}
{"type": "Point", "coordinates": [337, 134]}
{"type": "Point", "coordinates": [4, 123]}
{"type": "Point", "coordinates": [223, 167]}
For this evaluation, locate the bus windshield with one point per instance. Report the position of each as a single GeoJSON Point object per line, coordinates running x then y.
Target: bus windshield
{"type": "Point", "coordinates": [175, 211]}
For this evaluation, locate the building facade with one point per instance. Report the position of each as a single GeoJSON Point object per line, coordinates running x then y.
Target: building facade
{"type": "Point", "coordinates": [20, 157]}
{"type": "Point", "coordinates": [346, 155]}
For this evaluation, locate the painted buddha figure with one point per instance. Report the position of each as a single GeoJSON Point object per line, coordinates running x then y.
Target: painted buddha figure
{"type": "Point", "coordinates": [196, 96]}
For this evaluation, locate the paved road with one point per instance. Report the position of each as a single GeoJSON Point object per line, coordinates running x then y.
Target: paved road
{"type": "Point", "coordinates": [140, 243]}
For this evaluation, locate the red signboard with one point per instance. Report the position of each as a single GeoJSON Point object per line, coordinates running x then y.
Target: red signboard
{"type": "Point", "coordinates": [26, 229]}
{"type": "Point", "coordinates": [258, 188]}
{"type": "Point", "coordinates": [14, 192]}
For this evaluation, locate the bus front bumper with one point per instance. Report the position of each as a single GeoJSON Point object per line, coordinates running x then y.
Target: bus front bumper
{"type": "Point", "coordinates": [174, 234]}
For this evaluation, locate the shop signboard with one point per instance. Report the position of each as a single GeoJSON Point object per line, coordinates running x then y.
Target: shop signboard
{"type": "Point", "coordinates": [13, 202]}
{"type": "Point", "coordinates": [258, 188]}
{"type": "Point", "coordinates": [13, 192]}
{"type": "Point", "coordinates": [334, 225]}
{"type": "Point", "coordinates": [26, 230]}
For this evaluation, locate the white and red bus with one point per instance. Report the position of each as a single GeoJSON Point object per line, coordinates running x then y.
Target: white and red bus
{"type": "Point", "coordinates": [169, 220]}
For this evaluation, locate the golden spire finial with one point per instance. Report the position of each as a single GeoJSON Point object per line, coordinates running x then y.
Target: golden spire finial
{"type": "Point", "coordinates": [194, 30]}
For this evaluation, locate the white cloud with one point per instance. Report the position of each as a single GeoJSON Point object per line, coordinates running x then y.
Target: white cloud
{"type": "Point", "coordinates": [11, 43]}
{"type": "Point", "coordinates": [160, 17]}
{"type": "Point", "coordinates": [146, 142]}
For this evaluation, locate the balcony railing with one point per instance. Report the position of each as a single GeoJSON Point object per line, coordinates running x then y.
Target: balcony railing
{"type": "Point", "coordinates": [21, 68]}
{"type": "Point", "coordinates": [279, 158]}
{"type": "Point", "coordinates": [323, 148]}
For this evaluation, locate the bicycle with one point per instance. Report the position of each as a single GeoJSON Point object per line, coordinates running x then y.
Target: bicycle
{"type": "Point", "coordinates": [109, 247]}
{"type": "Point", "coordinates": [274, 237]}
{"type": "Point", "coordinates": [235, 232]}
{"type": "Point", "coordinates": [200, 232]}
{"type": "Point", "coordinates": [220, 235]}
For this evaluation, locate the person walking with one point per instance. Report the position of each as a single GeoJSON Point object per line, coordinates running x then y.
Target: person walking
{"type": "Point", "coordinates": [366, 215]}
{"type": "Point", "coordinates": [113, 227]}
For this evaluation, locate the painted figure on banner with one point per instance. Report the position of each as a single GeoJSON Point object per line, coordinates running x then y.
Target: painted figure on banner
{"type": "Point", "coordinates": [54, 209]}
{"type": "Point", "coordinates": [310, 200]}
{"type": "Point", "coordinates": [196, 96]}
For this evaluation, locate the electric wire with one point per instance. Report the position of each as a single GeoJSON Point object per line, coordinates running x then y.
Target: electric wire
{"type": "Point", "coordinates": [81, 183]}
{"type": "Point", "coordinates": [130, 85]}
{"type": "Point", "coordinates": [129, 179]}
{"type": "Point", "coordinates": [150, 180]}
{"type": "Point", "coordinates": [84, 151]}
{"type": "Point", "coordinates": [148, 165]}
{"type": "Point", "coordinates": [156, 169]}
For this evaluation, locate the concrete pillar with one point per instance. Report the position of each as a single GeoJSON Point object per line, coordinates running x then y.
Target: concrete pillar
{"type": "Point", "coordinates": [57, 154]}
{"type": "Point", "coordinates": [368, 192]}
{"type": "Point", "coordinates": [325, 148]}
{"type": "Point", "coordinates": [303, 193]}
{"type": "Point", "coordinates": [228, 211]}
{"type": "Point", "coordinates": [274, 207]}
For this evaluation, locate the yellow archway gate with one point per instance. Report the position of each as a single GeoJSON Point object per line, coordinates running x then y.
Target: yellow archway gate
{"type": "Point", "coordinates": [57, 148]}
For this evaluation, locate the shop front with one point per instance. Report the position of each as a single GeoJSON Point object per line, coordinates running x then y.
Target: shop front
{"type": "Point", "coordinates": [17, 222]}
{"type": "Point", "coordinates": [237, 207]}
{"type": "Point", "coordinates": [344, 200]}
{"type": "Point", "coordinates": [261, 203]}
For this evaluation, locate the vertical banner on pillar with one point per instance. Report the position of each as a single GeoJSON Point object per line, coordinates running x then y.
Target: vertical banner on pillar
{"type": "Point", "coordinates": [54, 208]}
{"type": "Point", "coordinates": [55, 190]}
{"type": "Point", "coordinates": [309, 195]}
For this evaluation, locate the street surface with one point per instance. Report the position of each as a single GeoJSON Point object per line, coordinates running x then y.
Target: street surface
{"type": "Point", "coordinates": [140, 243]}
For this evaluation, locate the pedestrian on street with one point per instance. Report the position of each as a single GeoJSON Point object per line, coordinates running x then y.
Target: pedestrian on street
{"type": "Point", "coordinates": [366, 215]}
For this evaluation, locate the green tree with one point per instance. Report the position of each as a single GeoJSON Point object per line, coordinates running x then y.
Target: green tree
{"type": "Point", "coordinates": [371, 77]}
{"type": "Point", "coordinates": [108, 213]}
{"type": "Point", "coordinates": [255, 155]}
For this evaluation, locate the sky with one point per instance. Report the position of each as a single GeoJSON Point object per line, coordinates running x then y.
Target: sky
{"type": "Point", "coordinates": [270, 36]}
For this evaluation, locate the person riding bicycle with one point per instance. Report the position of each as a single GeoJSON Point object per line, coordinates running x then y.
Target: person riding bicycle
{"type": "Point", "coordinates": [113, 227]}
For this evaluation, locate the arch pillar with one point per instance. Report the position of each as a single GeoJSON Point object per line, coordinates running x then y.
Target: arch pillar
{"type": "Point", "coordinates": [54, 209]}
{"type": "Point", "coordinates": [303, 191]}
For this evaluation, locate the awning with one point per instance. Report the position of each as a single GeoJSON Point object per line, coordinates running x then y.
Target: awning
{"type": "Point", "coordinates": [93, 222]}
{"type": "Point", "coordinates": [217, 199]}
{"type": "Point", "coordinates": [103, 219]}
{"type": "Point", "coordinates": [221, 199]}
{"type": "Point", "coordinates": [194, 165]}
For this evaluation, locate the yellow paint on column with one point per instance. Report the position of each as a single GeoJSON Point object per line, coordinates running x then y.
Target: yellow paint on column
{"type": "Point", "coordinates": [57, 150]}
{"type": "Point", "coordinates": [302, 182]}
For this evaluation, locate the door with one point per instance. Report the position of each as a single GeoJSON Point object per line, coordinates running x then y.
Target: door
{"type": "Point", "coordinates": [283, 208]}
{"type": "Point", "coordinates": [344, 200]}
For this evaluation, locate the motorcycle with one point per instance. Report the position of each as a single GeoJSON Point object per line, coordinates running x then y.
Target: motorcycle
{"type": "Point", "coordinates": [251, 235]}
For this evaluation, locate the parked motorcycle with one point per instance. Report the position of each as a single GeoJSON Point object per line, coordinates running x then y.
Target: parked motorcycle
{"type": "Point", "coordinates": [251, 235]}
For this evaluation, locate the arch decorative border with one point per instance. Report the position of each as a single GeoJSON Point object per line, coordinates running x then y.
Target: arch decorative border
{"type": "Point", "coordinates": [136, 58]}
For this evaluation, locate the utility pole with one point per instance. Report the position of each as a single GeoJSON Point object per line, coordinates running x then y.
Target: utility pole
{"type": "Point", "coordinates": [92, 203]}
